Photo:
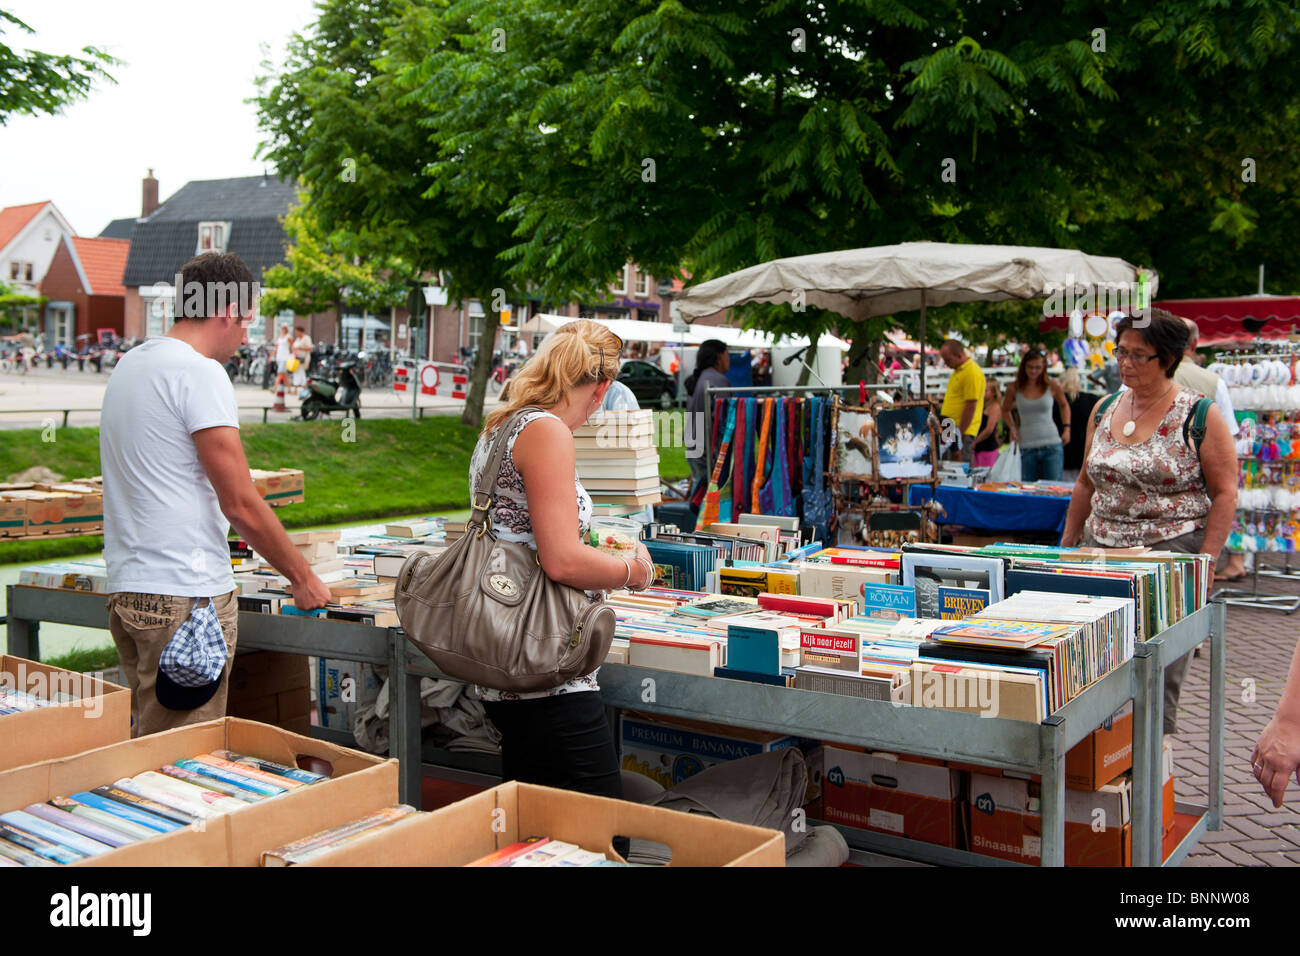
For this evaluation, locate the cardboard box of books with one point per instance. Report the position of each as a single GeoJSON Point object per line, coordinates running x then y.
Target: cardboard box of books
{"type": "Point", "coordinates": [283, 487]}
{"type": "Point", "coordinates": [243, 811]}
{"type": "Point", "coordinates": [271, 688]}
{"type": "Point", "coordinates": [495, 820]}
{"type": "Point", "coordinates": [341, 688]}
{"type": "Point", "coordinates": [1103, 755]}
{"type": "Point", "coordinates": [1006, 818]}
{"type": "Point", "coordinates": [13, 517]}
{"type": "Point", "coordinates": [907, 796]}
{"type": "Point", "coordinates": [61, 512]}
{"type": "Point", "coordinates": [669, 751]}
{"type": "Point", "coordinates": [92, 713]}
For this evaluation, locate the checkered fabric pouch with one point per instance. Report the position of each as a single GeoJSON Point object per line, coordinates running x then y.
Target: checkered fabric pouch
{"type": "Point", "coordinates": [196, 654]}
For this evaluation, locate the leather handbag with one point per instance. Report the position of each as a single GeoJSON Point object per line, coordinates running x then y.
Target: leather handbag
{"type": "Point", "coordinates": [485, 612]}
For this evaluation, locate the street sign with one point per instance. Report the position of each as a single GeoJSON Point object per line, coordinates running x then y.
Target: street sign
{"type": "Point", "coordinates": [400, 378]}
{"type": "Point", "coordinates": [429, 380]}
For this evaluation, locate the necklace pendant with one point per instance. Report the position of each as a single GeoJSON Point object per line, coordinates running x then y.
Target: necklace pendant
{"type": "Point", "coordinates": [1130, 427]}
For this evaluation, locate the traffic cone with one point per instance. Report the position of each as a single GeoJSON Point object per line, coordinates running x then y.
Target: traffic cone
{"type": "Point", "coordinates": [279, 405]}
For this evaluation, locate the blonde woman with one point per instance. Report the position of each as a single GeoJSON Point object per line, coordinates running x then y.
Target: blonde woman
{"type": "Point", "coordinates": [560, 737]}
{"type": "Point", "coordinates": [986, 441]}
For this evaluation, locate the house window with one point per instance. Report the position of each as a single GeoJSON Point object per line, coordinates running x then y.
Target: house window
{"type": "Point", "coordinates": [29, 271]}
{"type": "Point", "coordinates": [620, 282]}
{"type": "Point", "coordinates": [212, 237]}
{"type": "Point", "coordinates": [642, 284]}
{"type": "Point", "coordinates": [15, 269]}
{"type": "Point", "coordinates": [476, 321]}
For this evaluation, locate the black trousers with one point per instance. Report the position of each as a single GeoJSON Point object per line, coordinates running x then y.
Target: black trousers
{"type": "Point", "coordinates": [563, 741]}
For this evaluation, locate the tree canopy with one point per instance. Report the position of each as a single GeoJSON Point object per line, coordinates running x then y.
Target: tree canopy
{"type": "Point", "coordinates": [561, 139]}
{"type": "Point", "coordinates": [33, 82]}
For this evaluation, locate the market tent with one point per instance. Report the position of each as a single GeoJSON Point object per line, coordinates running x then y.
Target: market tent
{"type": "Point", "coordinates": [630, 330]}
{"type": "Point", "coordinates": [1228, 319]}
{"type": "Point", "coordinates": [542, 323]}
{"type": "Point", "coordinates": [882, 280]}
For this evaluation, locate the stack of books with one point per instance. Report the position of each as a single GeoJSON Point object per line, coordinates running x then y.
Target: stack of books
{"type": "Point", "coordinates": [93, 822]}
{"type": "Point", "coordinates": [543, 851]}
{"type": "Point", "coordinates": [617, 461]}
{"type": "Point", "coordinates": [318, 844]}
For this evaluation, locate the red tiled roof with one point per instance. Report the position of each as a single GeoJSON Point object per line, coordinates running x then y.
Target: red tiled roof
{"type": "Point", "coordinates": [13, 218]}
{"type": "Point", "coordinates": [103, 261]}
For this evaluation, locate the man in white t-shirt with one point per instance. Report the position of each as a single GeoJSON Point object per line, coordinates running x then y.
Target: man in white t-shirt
{"type": "Point", "coordinates": [283, 352]}
{"type": "Point", "coordinates": [175, 480]}
{"type": "Point", "coordinates": [302, 346]}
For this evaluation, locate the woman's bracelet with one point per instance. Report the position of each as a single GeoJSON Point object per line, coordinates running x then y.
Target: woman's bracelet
{"type": "Point", "coordinates": [627, 579]}
{"type": "Point", "coordinates": [649, 573]}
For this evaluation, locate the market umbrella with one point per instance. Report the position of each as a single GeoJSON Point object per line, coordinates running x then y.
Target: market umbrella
{"type": "Point", "coordinates": [882, 280]}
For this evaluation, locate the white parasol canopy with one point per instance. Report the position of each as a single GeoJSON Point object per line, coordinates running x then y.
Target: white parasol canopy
{"type": "Point", "coordinates": [882, 280]}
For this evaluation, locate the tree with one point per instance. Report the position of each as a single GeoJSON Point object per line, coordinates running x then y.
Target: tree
{"type": "Point", "coordinates": [33, 83]}
{"type": "Point", "coordinates": [336, 117]}
{"type": "Point", "coordinates": [698, 136]}
{"type": "Point", "coordinates": [320, 273]}
{"type": "Point", "coordinates": [12, 302]}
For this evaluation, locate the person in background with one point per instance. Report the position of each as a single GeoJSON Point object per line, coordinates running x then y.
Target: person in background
{"type": "Point", "coordinates": [963, 402]}
{"type": "Point", "coordinates": [1142, 484]}
{"type": "Point", "coordinates": [1277, 752]}
{"type": "Point", "coordinates": [711, 364]}
{"type": "Point", "coordinates": [987, 439]}
{"type": "Point", "coordinates": [283, 352]}
{"type": "Point", "coordinates": [1042, 448]}
{"type": "Point", "coordinates": [1207, 383]}
{"type": "Point", "coordinates": [559, 737]}
{"type": "Point", "coordinates": [1081, 404]}
{"type": "Point", "coordinates": [302, 346]}
{"type": "Point", "coordinates": [175, 481]}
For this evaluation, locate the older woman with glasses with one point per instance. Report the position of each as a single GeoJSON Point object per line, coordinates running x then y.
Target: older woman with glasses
{"type": "Point", "coordinates": [1145, 481]}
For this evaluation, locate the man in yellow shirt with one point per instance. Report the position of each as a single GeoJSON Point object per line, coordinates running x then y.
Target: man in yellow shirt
{"type": "Point", "coordinates": [963, 403]}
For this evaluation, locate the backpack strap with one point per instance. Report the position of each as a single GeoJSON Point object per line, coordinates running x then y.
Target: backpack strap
{"type": "Point", "coordinates": [1101, 407]}
{"type": "Point", "coordinates": [1194, 424]}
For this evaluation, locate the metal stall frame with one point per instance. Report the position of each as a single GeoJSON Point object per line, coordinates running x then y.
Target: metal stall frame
{"type": "Point", "coordinates": [879, 725]}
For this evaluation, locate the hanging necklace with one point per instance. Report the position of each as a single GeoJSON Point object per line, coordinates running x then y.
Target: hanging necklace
{"type": "Point", "coordinates": [1131, 425]}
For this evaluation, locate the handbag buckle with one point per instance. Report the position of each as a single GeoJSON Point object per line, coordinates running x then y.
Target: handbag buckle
{"type": "Point", "coordinates": [474, 501]}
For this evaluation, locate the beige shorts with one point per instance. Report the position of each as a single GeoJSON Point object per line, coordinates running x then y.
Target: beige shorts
{"type": "Point", "coordinates": [141, 625]}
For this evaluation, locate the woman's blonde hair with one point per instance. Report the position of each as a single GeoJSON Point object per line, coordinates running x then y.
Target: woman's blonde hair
{"type": "Point", "coordinates": [577, 353]}
{"type": "Point", "coordinates": [994, 384]}
{"type": "Point", "coordinates": [1072, 383]}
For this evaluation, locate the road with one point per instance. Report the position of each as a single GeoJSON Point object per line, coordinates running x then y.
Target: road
{"type": "Point", "coordinates": [35, 399]}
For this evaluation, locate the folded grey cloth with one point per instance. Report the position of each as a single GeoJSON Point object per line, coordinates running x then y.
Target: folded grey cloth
{"type": "Point", "coordinates": [453, 720]}
{"type": "Point", "coordinates": [824, 846]}
{"type": "Point", "coordinates": [638, 788]}
{"type": "Point", "coordinates": [764, 790]}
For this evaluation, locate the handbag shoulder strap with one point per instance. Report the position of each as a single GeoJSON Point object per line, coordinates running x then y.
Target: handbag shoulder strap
{"type": "Point", "coordinates": [487, 478]}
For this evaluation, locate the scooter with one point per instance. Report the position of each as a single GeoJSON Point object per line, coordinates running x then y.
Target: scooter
{"type": "Point", "coordinates": [324, 395]}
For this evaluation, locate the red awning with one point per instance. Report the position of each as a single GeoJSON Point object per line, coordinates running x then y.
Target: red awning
{"type": "Point", "coordinates": [1230, 319]}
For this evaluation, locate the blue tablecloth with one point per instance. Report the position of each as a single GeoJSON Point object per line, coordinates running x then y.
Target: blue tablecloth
{"type": "Point", "coordinates": [995, 510]}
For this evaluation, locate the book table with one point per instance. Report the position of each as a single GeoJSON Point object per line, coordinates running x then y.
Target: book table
{"type": "Point", "coordinates": [879, 725]}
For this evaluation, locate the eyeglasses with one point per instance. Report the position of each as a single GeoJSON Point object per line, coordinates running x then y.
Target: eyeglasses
{"type": "Point", "coordinates": [1137, 358]}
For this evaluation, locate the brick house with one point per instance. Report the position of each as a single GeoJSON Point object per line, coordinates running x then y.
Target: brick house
{"type": "Point", "coordinates": [83, 286]}
{"type": "Point", "coordinates": [29, 236]}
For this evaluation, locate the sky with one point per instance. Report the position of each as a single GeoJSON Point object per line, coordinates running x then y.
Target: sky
{"type": "Point", "coordinates": [177, 107]}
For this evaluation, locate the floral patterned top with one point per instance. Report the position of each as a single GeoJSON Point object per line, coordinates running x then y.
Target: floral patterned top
{"type": "Point", "coordinates": [510, 522]}
{"type": "Point", "coordinates": [1150, 491]}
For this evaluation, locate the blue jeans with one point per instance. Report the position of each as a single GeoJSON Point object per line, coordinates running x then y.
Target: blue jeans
{"type": "Point", "coordinates": [1045, 463]}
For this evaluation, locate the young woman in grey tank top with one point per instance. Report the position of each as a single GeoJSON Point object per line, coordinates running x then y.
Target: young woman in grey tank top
{"type": "Point", "coordinates": [1042, 449]}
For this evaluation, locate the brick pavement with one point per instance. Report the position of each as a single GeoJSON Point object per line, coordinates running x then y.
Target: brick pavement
{"type": "Point", "coordinates": [1260, 644]}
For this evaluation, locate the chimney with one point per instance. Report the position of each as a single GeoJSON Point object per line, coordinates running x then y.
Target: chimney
{"type": "Point", "coordinates": [149, 201]}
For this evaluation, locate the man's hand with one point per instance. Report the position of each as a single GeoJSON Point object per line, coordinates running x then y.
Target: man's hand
{"type": "Point", "coordinates": [310, 593]}
{"type": "Point", "coordinates": [1276, 757]}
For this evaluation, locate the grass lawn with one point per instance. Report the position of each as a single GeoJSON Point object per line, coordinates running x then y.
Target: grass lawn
{"type": "Point", "coordinates": [391, 467]}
